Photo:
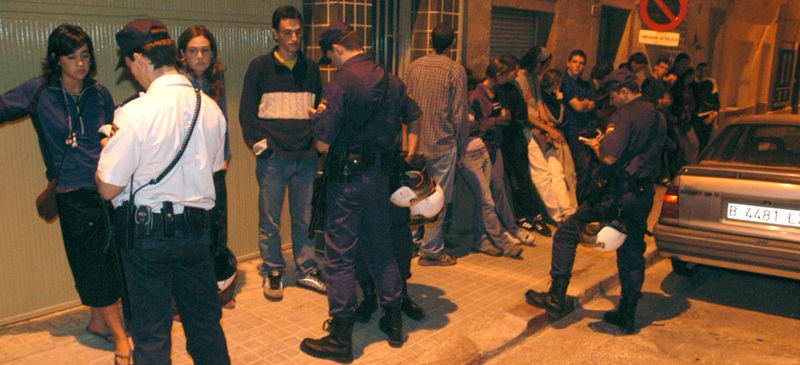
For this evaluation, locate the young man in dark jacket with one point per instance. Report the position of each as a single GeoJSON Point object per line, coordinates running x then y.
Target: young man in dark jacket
{"type": "Point", "coordinates": [279, 87]}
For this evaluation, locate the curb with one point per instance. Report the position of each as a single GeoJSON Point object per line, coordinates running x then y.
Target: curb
{"type": "Point", "coordinates": [504, 331]}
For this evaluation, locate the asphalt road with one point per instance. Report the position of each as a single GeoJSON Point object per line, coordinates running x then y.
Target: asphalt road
{"type": "Point", "coordinates": [715, 316]}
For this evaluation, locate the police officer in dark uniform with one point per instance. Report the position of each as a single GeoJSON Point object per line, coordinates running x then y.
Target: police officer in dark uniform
{"type": "Point", "coordinates": [629, 153]}
{"type": "Point", "coordinates": [359, 124]}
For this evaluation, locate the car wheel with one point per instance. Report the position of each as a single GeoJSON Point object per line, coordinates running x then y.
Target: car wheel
{"type": "Point", "coordinates": [683, 268]}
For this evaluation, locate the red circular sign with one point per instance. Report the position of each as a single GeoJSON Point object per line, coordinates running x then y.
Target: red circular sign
{"type": "Point", "coordinates": [661, 15]}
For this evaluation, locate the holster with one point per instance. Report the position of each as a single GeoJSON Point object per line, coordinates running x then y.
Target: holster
{"type": "Point", "coordinates": [124, 225]}
{"type": "Point", "coordinates": [636, 186]}
{"type": "Point", "coordinates": [342, 165]}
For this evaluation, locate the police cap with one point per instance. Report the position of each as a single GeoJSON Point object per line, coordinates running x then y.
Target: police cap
{"type": "Point", "coordinates": [619, 78]}
{"type": "Point", "coordinates": [332, 34]}
{"type": "Point", "coordinates": [138, 33]}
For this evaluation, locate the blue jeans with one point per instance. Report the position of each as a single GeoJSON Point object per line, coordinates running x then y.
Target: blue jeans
{"type": "Point", "coordinates": [476, 169]}
{"type": "Point", "coordinates": [274, 175]}
{"type": "Point", "coordinates": [443, 170]}
{"type": "Point", "coordinates": [159, 269]}
{"type": "Point", "coordinates": [498, 186]}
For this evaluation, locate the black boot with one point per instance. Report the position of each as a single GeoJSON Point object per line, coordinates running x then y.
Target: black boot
{"type": "Point", "coordinates": [624, 316]}
{"type": "Point", "coordinates": [392, 324]}
{"type": "Point", "coordinates": [554, 300]}
{"type": "Point", "coordinates": [411, 309]}
{"type": "Point", "coordinates": [337, 346]}
{"type": "Point", "coordinates": [367, 306]}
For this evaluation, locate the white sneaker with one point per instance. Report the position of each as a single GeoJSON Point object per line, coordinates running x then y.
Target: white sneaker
{"type": "Point", "coordinates": [511, 238]}
{"type": "Point", "coordinates": [525, 237]}
{"type": "Point", "coordinates": [273, 286]}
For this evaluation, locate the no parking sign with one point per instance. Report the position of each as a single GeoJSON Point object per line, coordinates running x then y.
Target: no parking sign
{"type": "Point", "coordinates": [663, 15]}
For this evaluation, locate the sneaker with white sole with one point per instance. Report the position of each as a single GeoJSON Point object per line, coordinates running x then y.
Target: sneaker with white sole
{"type": "Point", "coordinates": [313, 281]}
{"type": "Point", "coordinates": [512, 238]}
{"type": "Point", "coordinates": [526, 238]}
{"type": "Point", "coordinates": [273, 285]}
{"type": "Point", "coordinates": [443, 260]}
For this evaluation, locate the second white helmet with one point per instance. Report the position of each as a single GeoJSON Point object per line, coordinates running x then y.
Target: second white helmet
{"type": "Point", "coordinates": [603, 237]}
{"type": "Point", "coordinates": [427, 210]}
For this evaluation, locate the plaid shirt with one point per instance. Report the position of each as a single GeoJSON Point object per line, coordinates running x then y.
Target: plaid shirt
{"type": "Point", "coordinates": [439, 85]}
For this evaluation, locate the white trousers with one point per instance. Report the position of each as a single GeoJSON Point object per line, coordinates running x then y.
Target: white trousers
{"type": "Point", "coordinates": [556, 188]}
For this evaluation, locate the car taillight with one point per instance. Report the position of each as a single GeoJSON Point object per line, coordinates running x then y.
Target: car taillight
{"type": "Point", "coordinates": [669, 207]}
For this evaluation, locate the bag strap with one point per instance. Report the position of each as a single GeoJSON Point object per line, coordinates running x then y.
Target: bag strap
{"type": "Point", "coordinates": [31, 110]}
{"type": "Point", "coordinates": [385, 82]}
{"type": "Point", "coordinates": [180, 151]}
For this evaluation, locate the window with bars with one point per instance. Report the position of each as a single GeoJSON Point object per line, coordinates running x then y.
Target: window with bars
{"type": "Point", "coordinates": [782, 86]}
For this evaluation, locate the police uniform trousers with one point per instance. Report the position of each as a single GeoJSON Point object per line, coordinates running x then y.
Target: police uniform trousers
{"type": "Point", "coordinates": [358, 214]}
{"type": "Point", "coordinates": [630, 256]}
{"type": "Point", "coordinates": [402, 245]}
{"type": "Point", "coordinates": [159, 268]}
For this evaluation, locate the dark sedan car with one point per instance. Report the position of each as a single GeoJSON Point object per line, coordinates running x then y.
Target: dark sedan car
{"type": "Point", "coordinates": [738, 207]}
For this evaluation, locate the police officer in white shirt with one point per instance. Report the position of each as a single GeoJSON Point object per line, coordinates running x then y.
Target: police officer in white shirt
{"type": "Point", "coordinates": [170, 254]}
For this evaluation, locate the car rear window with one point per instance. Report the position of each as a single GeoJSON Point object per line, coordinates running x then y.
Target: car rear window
{"type": "Point", "coordinates": [757, 144]}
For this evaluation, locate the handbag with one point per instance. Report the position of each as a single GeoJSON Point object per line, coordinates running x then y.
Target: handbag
{"type": "Point", "coordinates": [46, 202]}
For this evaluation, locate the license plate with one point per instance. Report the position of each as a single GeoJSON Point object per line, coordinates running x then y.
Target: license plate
{"type": "Point", "coordinates": [766, 215]}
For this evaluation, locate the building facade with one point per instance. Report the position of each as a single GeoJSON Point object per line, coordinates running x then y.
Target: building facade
{"type": "Point", "coordinates": [751, 45]}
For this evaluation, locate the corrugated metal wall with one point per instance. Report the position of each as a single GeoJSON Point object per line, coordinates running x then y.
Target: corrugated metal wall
{"type": "Point", "coordinates": [34, 275]}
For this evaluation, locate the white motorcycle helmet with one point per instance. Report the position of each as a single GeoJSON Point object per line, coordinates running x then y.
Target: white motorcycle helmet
{"type": "Point", "coordinates": [427, 210]}
{"type": "Point", "coordinates": [418, 191]}
{"type": "Point", "coordinates": [603, 237]}
{"type": "Point", "coordinates": [225, 270]}
{"type": "Point", "coordinates": [414, 187]}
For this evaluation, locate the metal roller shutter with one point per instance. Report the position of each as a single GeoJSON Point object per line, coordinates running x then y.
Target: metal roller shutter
{"type": "Point", "coordinates": [513, 31]}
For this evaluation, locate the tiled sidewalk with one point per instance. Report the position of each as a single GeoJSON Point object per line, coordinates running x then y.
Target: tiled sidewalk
{"type": "Point", "coordinates": [260, 331]}
{"type": "Point", "coordinates": [475, 308]}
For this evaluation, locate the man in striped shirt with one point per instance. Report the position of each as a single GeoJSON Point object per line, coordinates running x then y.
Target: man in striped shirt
{"type": "Point", "coordinates": [439, 85]}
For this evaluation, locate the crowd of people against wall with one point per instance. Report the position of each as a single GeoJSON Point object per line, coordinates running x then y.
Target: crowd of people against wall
{"type": "Point", "coordinates": [513, 135]}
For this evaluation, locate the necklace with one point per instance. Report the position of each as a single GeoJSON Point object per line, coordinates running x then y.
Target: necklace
{"type": "Point", "coordinates": [72, 138]}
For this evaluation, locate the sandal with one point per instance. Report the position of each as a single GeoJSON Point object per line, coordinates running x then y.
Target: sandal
{"type": "Point", "coordinates": [120, 359]}
{"type": "Point", "coordinates": [106, 336]}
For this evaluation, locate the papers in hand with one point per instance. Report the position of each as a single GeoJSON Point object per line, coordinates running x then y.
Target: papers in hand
{"type": "Point", "coordinates": [260, 147]}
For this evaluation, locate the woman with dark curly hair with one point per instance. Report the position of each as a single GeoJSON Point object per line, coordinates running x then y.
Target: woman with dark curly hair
{"type": "Point", "coordinates": [67, 108]}
{"type": "Point", "coordinates": [199, 61]}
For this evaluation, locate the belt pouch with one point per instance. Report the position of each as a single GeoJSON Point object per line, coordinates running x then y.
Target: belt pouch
{"type": "Point", "coordinates": [168, 219]}
{"type": "Point", "coordinates": [144, 221]}
{"type": "Point", "coordinates": [354, 165]}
